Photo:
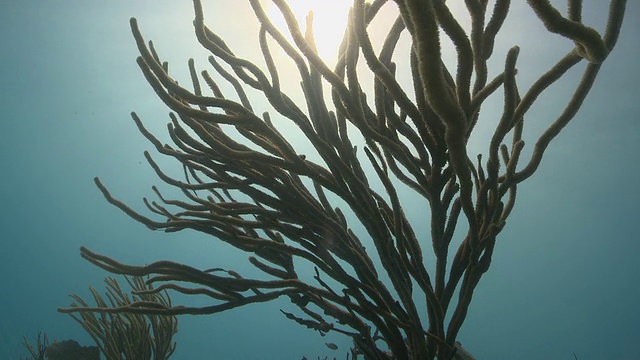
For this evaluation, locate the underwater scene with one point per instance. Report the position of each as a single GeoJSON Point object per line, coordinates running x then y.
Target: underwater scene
{"type": "Point", "coordinates": [339, 179]}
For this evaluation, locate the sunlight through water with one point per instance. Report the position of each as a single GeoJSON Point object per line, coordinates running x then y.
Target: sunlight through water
{"type": "Point", "coordinates": [329, 22]}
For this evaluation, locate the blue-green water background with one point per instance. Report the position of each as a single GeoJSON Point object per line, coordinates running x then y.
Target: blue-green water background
{"type": "Point", "coordinates": [564, 275]}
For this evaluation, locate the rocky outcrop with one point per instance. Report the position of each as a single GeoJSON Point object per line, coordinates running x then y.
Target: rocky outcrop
{"type": "Point", "coordinates": [71, 350]}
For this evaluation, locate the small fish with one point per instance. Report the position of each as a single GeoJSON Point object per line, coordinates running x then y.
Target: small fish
{"type": "Point", "coordinates": [332, 346]}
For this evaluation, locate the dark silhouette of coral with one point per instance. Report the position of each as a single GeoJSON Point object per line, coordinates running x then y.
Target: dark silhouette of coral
{"type": "Point", "coordinates": [59, 350]}
{"type": "Point", "coordinates": [249, 186]}
{"type": "Point", "coordinates": [71, 350]}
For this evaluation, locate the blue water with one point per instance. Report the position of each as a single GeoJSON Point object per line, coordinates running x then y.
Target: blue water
{"type": "Point", "coordinates": [564, 275]}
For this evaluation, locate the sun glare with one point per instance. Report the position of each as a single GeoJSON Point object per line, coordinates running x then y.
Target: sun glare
{"type": "Point", "coordinates": [329, 22]}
